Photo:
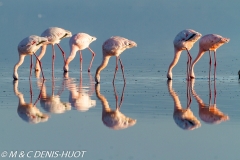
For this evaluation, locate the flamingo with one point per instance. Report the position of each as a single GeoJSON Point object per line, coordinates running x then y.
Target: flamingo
{"type": "Point", "coordinates": [183, 117]}
{"type": "Point", "coordinates": [113, 46]}
{"type": "Point", "coordinates": [54, 35]}
{"type": "Point", "coordinates": [28, 46]}
{"type": "Point", "coordinates": [51, 102]}
{"type": "Point", "coordinates": [78, 42]}
{"type": "Point", "coordinates": [79, 95]}
{"type": "Point", "coordinates": [28, 111]}
{"type": "Point", "coordinates": [114, 119]}
{"type": "Point", "coordinates": [209, 42]}
{"type": "Point", "coordinates": [209, 113]}
{"type": "Point", "coordinates": [183, 41]}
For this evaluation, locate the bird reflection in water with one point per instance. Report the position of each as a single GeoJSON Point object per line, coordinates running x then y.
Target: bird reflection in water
{"type": "Point", "coordinates": [29, 111]}
{"type": "Point", "coordinates": [52, 103]}
{"type": "Point", "coordinates": [183, 117]}
{"type": "Point", "coordinates": [79, 96]}
{"type": "Point", "coordinates": [209, 113]}
{"type": "Point", "coordinates": [114, 119]}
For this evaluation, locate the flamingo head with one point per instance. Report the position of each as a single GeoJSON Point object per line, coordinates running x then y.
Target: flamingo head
{"type": "Point", "coordinates": [194, 36]}
{"type": "Point", "coordinates": [130, 44]}
{"type": "Point", "coordinates": [93, 39]}
{"type": "Point", "coordinates": [225, 40]}
{"type": "Point", "coordinates": [67, 34]}
{"type": "Point", "coordinates": [42, 41]}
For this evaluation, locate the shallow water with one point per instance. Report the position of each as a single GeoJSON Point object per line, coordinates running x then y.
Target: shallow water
{"type": "Point", "coordinates": [77, 124]}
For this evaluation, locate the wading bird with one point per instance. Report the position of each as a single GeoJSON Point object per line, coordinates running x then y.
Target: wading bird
{"type": "Point", "coordinates": [114, 46]}
{"type": "Point", "coordinates": [29, 111]}
{"type": "Point", "coordinates": [114, 119]}
{"type": "Point", "coordinates": [79, 95]}
{"type": "Point", "coordinates": [54, 35]}
{"type": "Point", "coordinates": [183, 41]}
{"type": "Point", "coordinates": [28, 46]}
{"type": "Point", "coordinates": [209, 113]}
{"type": "Point", "coordinates": [209, 42]}
{"type": "Point", "coordinates": [52, 102]}
{"type": "Point", "coordinates": [79, 42]}
{"type": "Point", "coordinates": [183, 117]}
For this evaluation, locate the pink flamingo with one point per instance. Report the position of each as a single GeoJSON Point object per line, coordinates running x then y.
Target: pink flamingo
{"type": "Point", "coordinates": [54, 35]}
{"type": "Point", "coordinates": [209, 113]}
{"type": "Point", "coordinates": [183, 41]}
{"type": "Point", "coordinates": [78, 42]}
{"type": "Point", "coordinates": [114, 118]}
{"type": "Point", "coordinates": [28, 46]}
{"type": "Point", "coordinates": [79, 95]}
{"type": "Point", "coordinates": [183, 117]}
{"type": "Point", "coordinates": [209, 42]}
{"type": "Point", "coordinates": [114, 46]}
{"type": "Point", "coordinates": [29, 111]}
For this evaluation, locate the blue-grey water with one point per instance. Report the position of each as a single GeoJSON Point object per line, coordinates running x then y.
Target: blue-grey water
{"type": "Point", "coordinates": [76, 125]}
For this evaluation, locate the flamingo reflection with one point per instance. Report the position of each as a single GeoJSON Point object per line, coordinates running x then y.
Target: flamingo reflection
{"type": "Point", "coordinates": [79, 96]}
{"type": "Point", "coordinates": [28, 111]}
{"type": "Point", "coordinates": [209, 113]}
{"type": "Point", "coordinates": [183, 117]}
{"type": "Point", "coordinates": [52, 103]}
{"type": "Point", "coordinates": [114, 119]}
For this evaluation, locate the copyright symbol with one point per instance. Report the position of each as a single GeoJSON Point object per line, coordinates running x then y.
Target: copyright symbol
{"type": "Point", "coordinates": [4, 154]}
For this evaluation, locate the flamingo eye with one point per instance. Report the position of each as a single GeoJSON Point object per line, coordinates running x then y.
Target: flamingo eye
{"type": "Point", "coordinates": [33, 42]}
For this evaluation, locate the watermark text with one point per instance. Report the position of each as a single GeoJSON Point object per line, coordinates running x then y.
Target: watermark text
{"type": "Point", "coordinates": [43, 154]}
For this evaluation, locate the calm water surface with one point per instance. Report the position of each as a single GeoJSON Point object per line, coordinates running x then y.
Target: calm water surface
{"type": "Point", "coordinates": [75, 113]}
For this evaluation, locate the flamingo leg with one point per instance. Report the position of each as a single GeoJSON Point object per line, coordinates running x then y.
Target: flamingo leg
{"type": "Point", "coordinates": [63, 54]}
{"type": "Point", "coordinates": [189, 98]}
{"type": "Point", "coordinates": [39, 96]}
{"type": "Point", "coordinates": [53, 85]}
{"type": "Point", "coordinates": [210, 63]}
{"type": "Point", "coordinates": [215, 92]}
{"type": "Point", "coordinates": [40, 65]}
{"type": "Point", "coordinates": [215, 65]}
{"type": "Point", "coordinates": [31, 65]}
{"type": "Point", "coordinates": [122, 70]}
{"type": "Point", "coordinates": [31, 93]}
{"type": "Point", "coordinates": [115, 69]}
{"type": "Point", "coordinates": [116, 96]}
{"type": "Point", "coordinates": [122, 97]}
{"type": "Point", "coordinates": [189, 64]}
{"type": "Point", "coordinates": [53, 58]}
{"type": "Point", "coordinates": [91, 91]}
{"type": "Point", "coordinates": [93, 55]}
{"type": "Point", "coordinates": [80, 85]}
{"type": "Point", "coordinates": [81, 59]}
{"type": "Point", "coordinates": [62, 88]}
{"type": "Point", "coordinates": [210, 92]}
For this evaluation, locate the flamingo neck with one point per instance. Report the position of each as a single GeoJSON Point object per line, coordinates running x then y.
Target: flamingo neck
{"type": "Point", "coordinates": [102, 65]}
{"type": "Point", "coordinates": [200, 54]}
{"type": "Point", "coordinates": [43, 92]}
{"type": "Point", "coordinates": [198, 99]}
{"type": "Point", "coordinates": [177, 54]}
{"type": "Point", "coordinates": [21, 99]}
{"type": "Point", "coordinates": [20, 61]}
{"type": "Point", "coordinates": [18, 94]}
{"type": "Point", "coordinates": [42, 52]}
{"type": "Point", "coordinates": [177, 103]}
{"type": "Point", "coordinates": [73, 51]}
{"type": "Point", "coordinates": [105, 105]}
